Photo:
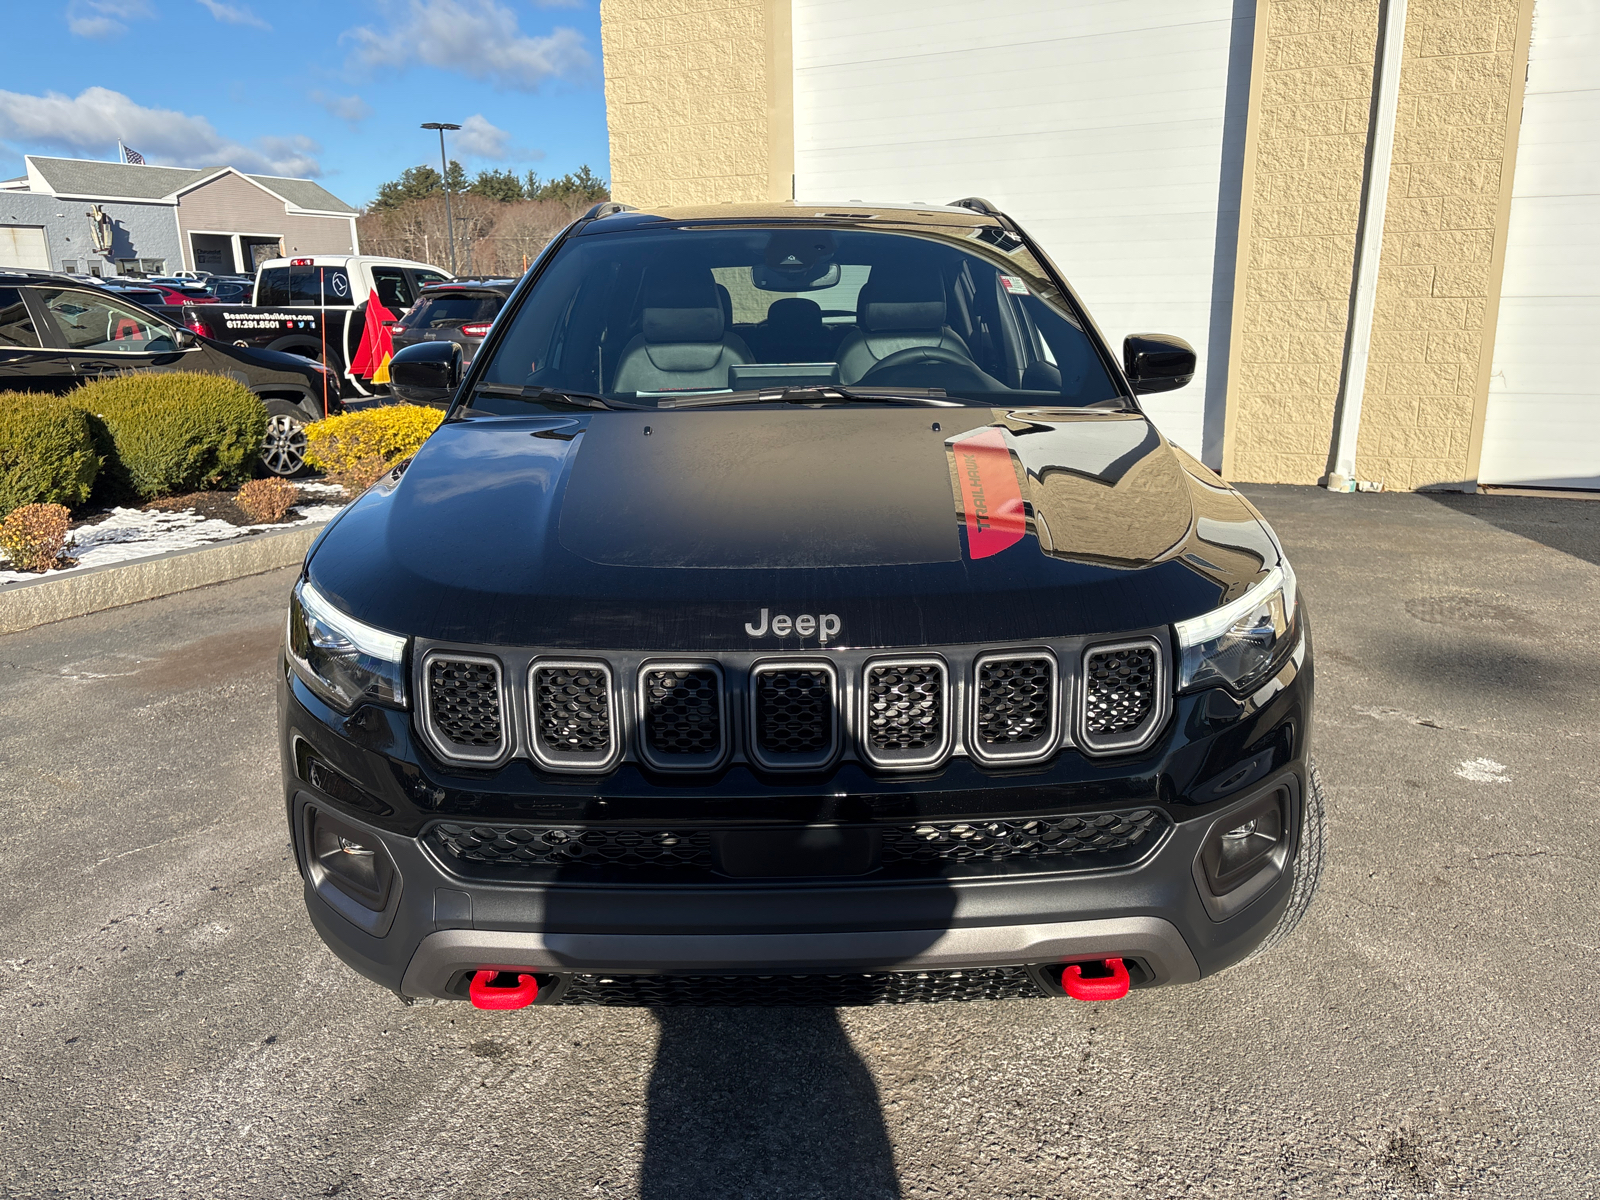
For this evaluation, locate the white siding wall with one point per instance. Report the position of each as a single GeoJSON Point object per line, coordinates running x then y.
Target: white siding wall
{"type": "Point", "coordinates": [1099, 124]}
{"type": "Point", "coordinates": [1543, 420]}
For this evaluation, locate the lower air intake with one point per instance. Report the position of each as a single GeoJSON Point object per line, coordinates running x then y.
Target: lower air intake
{"type": "Point", "coordinates": [464, 711]}
{"type": "Point", "coordinates": [682, 716]}
{"type": "Point", "coordinates": [906, 718]}
{"type": "Point", "coordinates": [800, 991]}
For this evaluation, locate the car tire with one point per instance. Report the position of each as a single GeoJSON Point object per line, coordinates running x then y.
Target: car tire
{"type": "Point", "coordinates": [1308, 862]}
{"type": "Point", "coordinates": [283, 452]}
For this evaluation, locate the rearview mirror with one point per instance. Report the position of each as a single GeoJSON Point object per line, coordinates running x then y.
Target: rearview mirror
{"type": "Point", "coordinates": [184, 339]}
{"type": "Point", "coordinates": [1157, 362]}
{"type": "Point", "coordinates": [426, 373]}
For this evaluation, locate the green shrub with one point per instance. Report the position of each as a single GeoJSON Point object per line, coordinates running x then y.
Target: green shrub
{"type": "Point", "coordinates": [47, 455]}
{"type": "Point", "coordinates": [172, 431]}
{"type": "Point", "coordinates": [357, 448]}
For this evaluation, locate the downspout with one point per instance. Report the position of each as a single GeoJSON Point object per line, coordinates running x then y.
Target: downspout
{"type": "Point", "coordinates": [1369, 247]}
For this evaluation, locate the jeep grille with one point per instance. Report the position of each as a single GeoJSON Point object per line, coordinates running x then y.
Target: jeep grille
{"type": "Point", "coordinates": [1124, 696]}
{"type": "Point", "coordinates": [464, 709]}
{"type": "Point", "coordinates": [793, 721]}
{"type": "Point", "coordinates": [905, 712]}
{"type": "Point", "coordinates": [682, 710]}
{"type": "Point", "coordinates": [1014, 716]}
{"type": "Point", "coordinates": [572, 715]}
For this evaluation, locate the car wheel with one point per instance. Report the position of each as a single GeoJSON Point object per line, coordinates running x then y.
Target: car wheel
{"type": "Point", "coordinates": [1307, 866]}
{"type": "Point", "coordinates": [283, 452]}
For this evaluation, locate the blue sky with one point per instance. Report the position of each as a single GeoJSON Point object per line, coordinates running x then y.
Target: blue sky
{"type": "Point", "coordinates": [332, 89]}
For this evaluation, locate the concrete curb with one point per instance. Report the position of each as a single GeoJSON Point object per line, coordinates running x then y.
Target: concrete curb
{"type": "Point", "coordinates": [25, 605]}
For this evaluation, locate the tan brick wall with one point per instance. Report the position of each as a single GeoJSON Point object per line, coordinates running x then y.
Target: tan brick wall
{"type": "Point", "coordinates": [695, 91]}
{"type": "Point", "coordinates": [1443, 241]}
{"type": "Point", "coordinates": [1312, 93]}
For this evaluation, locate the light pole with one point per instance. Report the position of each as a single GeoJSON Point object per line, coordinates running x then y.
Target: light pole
{"type": "Point", "coordinates": [444, 166]}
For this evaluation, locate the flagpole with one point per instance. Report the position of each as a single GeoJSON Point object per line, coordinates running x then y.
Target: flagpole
{"type": "Point", "coordinates": [322, 292]}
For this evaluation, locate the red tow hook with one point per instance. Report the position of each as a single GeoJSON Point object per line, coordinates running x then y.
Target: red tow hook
{"type": "Point", "coordinates": [485, 994]}
{"type": "Point", "coordinates": [1102, 987]}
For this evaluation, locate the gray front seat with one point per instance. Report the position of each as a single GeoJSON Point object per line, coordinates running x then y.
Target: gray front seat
{"type": "Point", "coordinates": [898, 309]}
{"type": "Point", "coordinates": [685, 343]}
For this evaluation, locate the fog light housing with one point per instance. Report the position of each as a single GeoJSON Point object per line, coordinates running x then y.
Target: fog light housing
{"type": "Point", "coordinates": [351, 861]}
{"type": "Point", "coordinates": [1243, 852]}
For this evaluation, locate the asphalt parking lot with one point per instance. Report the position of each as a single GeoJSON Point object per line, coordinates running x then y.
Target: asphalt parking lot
{"type": "Point", "coordinates": [172, 1027]}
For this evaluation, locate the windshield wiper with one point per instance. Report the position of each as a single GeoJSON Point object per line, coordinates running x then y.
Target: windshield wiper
{"type": "Point", "coordinates": [828, 393]}
{"type": "Point", "coordinates": [555, 395]}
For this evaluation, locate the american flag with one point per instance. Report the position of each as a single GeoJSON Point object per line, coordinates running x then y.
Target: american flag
{"type": "Point", "coordinates": [130, 155]}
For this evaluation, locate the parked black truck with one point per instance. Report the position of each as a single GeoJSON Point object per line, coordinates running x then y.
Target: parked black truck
{"type": "Point", "coordinates": [795, 606]}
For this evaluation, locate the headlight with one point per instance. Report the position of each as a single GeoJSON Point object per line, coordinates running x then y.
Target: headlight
{"type": "Point", "coordinates": [1237, 643]}
{"type": "Point", "coordinates": [342, 660]}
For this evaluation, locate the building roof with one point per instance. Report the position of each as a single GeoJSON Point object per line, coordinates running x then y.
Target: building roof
{"type": "Point", "coordinates": [109, 180]}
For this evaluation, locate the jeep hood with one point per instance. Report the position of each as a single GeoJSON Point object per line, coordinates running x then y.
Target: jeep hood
{"type": "Point", "coordinates": [673, 530]}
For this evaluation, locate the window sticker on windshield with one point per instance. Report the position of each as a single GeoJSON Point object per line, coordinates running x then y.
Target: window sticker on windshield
{"type": "Point", "coordinates": [1014, 285]}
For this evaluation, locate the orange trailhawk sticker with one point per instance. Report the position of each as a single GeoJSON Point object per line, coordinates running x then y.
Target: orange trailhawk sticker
{"type": "Point", "coordinates": [990, 498]}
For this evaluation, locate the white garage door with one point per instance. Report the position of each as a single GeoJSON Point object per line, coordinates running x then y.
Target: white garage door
{"type": "Point", "coordinates": [1542, 427]}
{"type": "Point", "coordinates": [24, 246]}
{"type": "Point", "coordinates": [1099, 125]}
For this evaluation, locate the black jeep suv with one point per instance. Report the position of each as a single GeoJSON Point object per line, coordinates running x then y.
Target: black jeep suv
{"type": "Point", "coordinates": [796, 607]}
{"type": "Point", "coordinates": [57, 333]}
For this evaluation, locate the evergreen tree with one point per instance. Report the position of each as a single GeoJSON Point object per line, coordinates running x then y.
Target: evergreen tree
{"type": "Point", "coordinates": [503, 186]}
{"type": "Point", "coordinates": [413, 184]}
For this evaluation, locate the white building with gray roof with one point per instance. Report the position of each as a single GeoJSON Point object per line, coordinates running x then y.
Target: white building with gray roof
{"type": "Point", "coordinates": [108, 218]}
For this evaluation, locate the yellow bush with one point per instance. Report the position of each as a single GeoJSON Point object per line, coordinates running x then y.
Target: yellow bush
{"type": "Point", "coordinates": [34, 537]}
{"type": "Point", "coordinates": [357, 448]}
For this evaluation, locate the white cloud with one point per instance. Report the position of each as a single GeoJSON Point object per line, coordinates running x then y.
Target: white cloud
{"type": "Point", "coordinates": [93, 120]}
{"type": "Point", "coordinates": [101, 19]}
{"type": "Point", "coordinates": [347, 108]}
{"type": "Point", "coordinates": [477, 138]}
{"type": "Point", "coordinates": [233, 14]}
{"type": "Point", "coordinates": [478, 38]}
{"type": "Point", "coordinates": [558, 3]}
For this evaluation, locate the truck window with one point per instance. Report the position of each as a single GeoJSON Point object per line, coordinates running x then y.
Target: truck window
{"type": "Point", "coordinates": [393, 289]}
{"type": "Point", "coordinates": [304, 285]}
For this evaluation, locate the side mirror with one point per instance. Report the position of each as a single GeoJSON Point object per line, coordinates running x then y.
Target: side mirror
{"type": "Point", "coordinates": [426, 373]}
{"type": "Point", "coordinates": [184, 339]}
{"type": "Point", "coordinates": [1157, 362]}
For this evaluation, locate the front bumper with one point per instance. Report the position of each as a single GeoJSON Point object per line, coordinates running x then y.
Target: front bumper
{"type": "Point", "coordinates": [440, 923]}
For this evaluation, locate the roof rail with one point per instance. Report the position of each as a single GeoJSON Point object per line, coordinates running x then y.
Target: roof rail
{"type": "Point", "coordinates": [608, 208]}
{"type": "Point", "coordinates": [979, 205]}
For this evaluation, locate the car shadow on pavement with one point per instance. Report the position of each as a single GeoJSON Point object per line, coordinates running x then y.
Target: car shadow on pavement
{"type": "Point", "coordinates": [1571, 526]}
{"type": "Point", "coordinates": [762, 1102]}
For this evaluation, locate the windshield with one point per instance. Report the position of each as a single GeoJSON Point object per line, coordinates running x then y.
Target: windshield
{"type": "Point", "coordinates": [658, 316]}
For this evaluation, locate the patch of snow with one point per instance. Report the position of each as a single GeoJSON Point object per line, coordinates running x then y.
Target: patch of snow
{"type": "Point", "coordinates": [130, 533]}
{"type": "Point", "coordinates": [1483, 770]}
{"type": "Point", "coordinates": [320, 489]}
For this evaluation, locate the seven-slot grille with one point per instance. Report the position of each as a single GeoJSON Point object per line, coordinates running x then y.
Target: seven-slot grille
{"type": "Point", "coordinates": [905, 720]}
{"type": "Point", "coordinates": [1014, 707]}
{"type": "Point", "coordinates": [794, 714]}
{"type": "Point", "coordinates": [681, 715]}
{"type": "Point", "coordinates": [574, 726]}
{"type": "Point", "coordinates": [677, 714]}
{"type": "Point", "coordinates": [463, 707]}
